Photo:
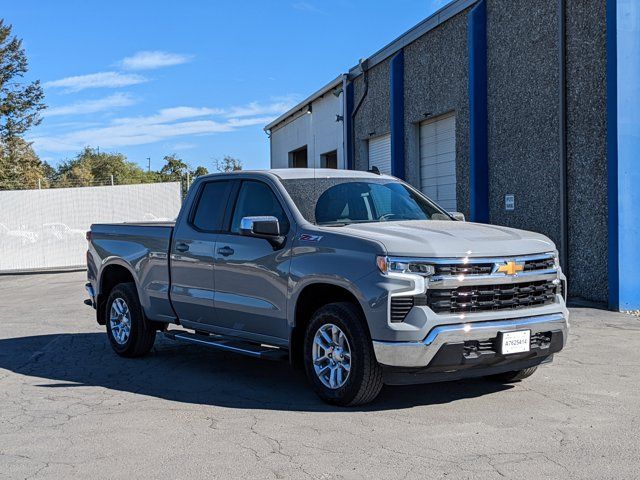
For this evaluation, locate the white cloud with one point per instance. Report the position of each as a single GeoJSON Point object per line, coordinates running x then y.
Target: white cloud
{"type": "Point", "coordinates": [166, 124]}
{"type": "Point", "coordinates": [96, 80]}
{"type": "Point", "coordinates": [92, 106]}
{"type": "Point", "coordinates": [307, 7]}
{"type": "Point", "coordinates": [183, 146]}
{"type": "Point", "coordinates": [276, 107]}
{"type": "Point", "coordinates": [170, 115]}
{"type": "Point", "coordinates": [150, 60]}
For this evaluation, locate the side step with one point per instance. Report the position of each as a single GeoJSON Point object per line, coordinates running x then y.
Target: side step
{"type": "Point", "coordinates": [229, 344]}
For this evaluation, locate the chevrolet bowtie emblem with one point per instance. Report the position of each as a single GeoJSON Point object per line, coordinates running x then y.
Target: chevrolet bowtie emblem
{"type": "Point", "coordinates": [509, 268]}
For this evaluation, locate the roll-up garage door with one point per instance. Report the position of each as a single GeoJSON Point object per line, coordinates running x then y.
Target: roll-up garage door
{"type": "Point", "coordinates": [438, 160]}
{"type": "Point", "coordinates": [380, 153]}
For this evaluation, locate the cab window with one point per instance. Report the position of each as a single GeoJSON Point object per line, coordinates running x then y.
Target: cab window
{"type": "Point", "coordinates": [257, 199]}
{"type": "Point", "coordinates": [209, 212]}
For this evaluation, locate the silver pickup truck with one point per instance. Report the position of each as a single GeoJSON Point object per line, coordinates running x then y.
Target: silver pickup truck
{"type": "Point", "coordinates": [355, 276]}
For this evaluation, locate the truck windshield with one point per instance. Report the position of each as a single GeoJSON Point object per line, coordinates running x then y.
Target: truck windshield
{"type": "Point", "coordinates": [342, 201]}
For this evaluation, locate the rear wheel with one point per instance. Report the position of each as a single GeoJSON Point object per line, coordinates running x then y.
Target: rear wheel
{"type": "Point", "coordinates": [339, 358]}
{"type": "Point", "coordinates": [515, 376]}
{"type": "Point", "coordinates": [129, 332]}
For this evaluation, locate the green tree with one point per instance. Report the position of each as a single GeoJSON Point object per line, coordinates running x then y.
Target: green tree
{"type": "Point", "coordinates": [228, 164]}
{"type": "Point", "coordinates": [174, 169]}
{"type": "Point", "coordinates": [20, 102]}
{"type": "Point", "coordinates": [21, 168]}
{"type": "Point", "coordinates": [20, 106]}
{"type": "Point", "coordinates": [92, 167]}
{"type": "Point", "coordinates": [199, 171]}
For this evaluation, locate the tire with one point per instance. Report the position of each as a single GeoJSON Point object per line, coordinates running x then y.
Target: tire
{"type": "Point", "coordinates": [363, 381]}
{"type": "Point", "coordinates": [141, 333]}
{"type": "Point", "coordinates": [510, 377]}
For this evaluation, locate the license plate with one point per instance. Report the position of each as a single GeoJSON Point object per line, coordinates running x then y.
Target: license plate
{"type": "Point", "coordinates": [515, 342]}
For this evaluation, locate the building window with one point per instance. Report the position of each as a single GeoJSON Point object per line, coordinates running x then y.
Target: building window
{"type": "Point", "coordinates": [329, 159]}
{"type": "Point", "coordinates": [298, 158]}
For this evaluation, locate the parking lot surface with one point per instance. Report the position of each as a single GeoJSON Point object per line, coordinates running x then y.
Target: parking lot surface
{"type": "Point", "coordinates": [70, 408]}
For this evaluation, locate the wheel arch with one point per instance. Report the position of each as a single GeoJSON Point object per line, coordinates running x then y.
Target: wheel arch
{"type": "Point", "coordinates": [309, 299]}
{"type": "Point", "coordinates": [110, 276]}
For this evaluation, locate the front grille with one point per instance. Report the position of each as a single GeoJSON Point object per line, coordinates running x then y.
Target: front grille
{"type": "Point", "coordinates": [455, 269]}
{"type": "Point", "coordinates": [469, 269]}
{"type": "Point", "coordinates": [543, 264]}
{"type": "Point", "coordinates": [480, 298]}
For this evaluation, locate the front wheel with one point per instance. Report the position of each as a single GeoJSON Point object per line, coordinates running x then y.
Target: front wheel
{"type": "Point", "coordinates": [339, 358]}
{"type": "Point", "coordinates": [129, 332]}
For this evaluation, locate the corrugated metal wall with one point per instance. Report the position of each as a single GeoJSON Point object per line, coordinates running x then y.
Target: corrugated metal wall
{"type": "Point", "coordinates": [45, 229]}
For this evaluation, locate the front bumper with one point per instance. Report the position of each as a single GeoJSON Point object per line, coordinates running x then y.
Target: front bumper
{"type": "Point", "coordinates": [421, 354]}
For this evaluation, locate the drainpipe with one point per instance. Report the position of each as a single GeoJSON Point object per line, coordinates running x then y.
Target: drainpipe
{"type": "Point", "coordinates": [345, 123]}
{"type": "Point", "coordinates": [365, 79]}
{"type": "Point", "coordinates": [562, 113]}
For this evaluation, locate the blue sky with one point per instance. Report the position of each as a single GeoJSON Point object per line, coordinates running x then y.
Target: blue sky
{"type": "Point", "coordinates": [195, 78]}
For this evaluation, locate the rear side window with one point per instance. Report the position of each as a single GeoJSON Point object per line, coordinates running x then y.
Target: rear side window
{"type": "Point", "coordinates": [209, 212]}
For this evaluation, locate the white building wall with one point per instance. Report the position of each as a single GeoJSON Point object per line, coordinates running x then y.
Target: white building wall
{"type": "Point", "coordinates": [319, 130]}
{"type": "Point", "coordinates": [289, 137]}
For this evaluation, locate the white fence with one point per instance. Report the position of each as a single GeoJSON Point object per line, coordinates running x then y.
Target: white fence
{"type": "Point", "coordinates": [45, 229]}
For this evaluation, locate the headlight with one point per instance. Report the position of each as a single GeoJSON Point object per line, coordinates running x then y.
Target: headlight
{"type": "Point", "coordinates": [556, 260]}
{"type": "Point", "coordinates": [400, 265]}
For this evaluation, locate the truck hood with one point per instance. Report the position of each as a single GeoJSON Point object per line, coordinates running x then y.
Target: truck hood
{"type": "Point", "coordinates": [436, 238]}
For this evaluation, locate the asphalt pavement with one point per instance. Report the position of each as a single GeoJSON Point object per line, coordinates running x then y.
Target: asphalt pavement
{"type": "Point", "coordinates": [70, 408]}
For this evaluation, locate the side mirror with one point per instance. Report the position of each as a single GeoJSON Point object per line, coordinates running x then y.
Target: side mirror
{"type": "Point", "coordinates": [457, 216]}
{"type": "Point", "coordinates": [265, 227]}
{"type": "Point", "coordinates": [253, 226]}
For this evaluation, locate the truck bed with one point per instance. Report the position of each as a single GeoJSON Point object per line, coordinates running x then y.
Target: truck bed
{"type": "Point", "coordinates": [158, 223]}
{"type": "Point", "coordinates": [145, 247]}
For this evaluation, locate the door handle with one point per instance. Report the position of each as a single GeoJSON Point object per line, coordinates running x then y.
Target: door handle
{"type": "Point", "coordinates": [182, 247]}
{"type": "Point", "coordinates": [226, 251]}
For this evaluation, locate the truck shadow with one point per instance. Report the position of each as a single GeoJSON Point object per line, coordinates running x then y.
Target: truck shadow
{"type": "Point", "coordinates": [198, 375]}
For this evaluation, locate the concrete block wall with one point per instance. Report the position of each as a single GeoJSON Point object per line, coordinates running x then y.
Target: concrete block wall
{"type": "Point", "coordinates": [523, 120]}
{"type": "Point", "coordinates": [587, 148]}
{"type": "Point", "coordinates": [435, 80]}
{"type": "Point", "coordinates": [374, 116]}
{"type": "Point", "coordinates": [523, 92]}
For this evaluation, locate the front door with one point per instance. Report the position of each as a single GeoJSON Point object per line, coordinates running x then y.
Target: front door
{"type": "Point", "coordinates": [251, 274]}
{"type": "Point", "coordinates": [193, 254]}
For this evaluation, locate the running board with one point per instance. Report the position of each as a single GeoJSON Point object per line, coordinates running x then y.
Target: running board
{"type": "Point", "coordinates": [230, 345]}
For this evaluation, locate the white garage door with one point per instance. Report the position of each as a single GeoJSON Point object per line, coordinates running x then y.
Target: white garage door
{"type": "Point", "coordinates": [438, 160]}
{"type": "Point", "coordinates": [380, 153]}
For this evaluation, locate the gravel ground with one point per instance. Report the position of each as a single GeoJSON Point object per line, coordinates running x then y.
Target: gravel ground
{"type": "Point", "coordinates": [70, 408]}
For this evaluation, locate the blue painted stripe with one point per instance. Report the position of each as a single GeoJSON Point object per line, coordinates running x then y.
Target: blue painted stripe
{"type": "Point", "coordinates": [627, 132]}
{"type": "Point", "coordinates": [349, 127]}
{"type": "Point", "coordinates": [478, 143]}
{"type": "Point", "coordinates": [397, 115]}
{"type": "Point", "coordinates": [612, 156]}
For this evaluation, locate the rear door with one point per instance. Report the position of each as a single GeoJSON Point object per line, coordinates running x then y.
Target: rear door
{"type": "Point", "coordinates": [251, 274]}
{"type": "Point", "coordinates": [193, 255]}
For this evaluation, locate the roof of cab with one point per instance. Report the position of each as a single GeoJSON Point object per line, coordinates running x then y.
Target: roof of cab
{"type": "Point", "coordinates": [292, 173]}
{"type": "Point", "coordinates": [301, 173]}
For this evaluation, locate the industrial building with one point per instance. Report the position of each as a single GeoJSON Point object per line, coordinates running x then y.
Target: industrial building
{"type": "Point", "coordinates": [524, 113]}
